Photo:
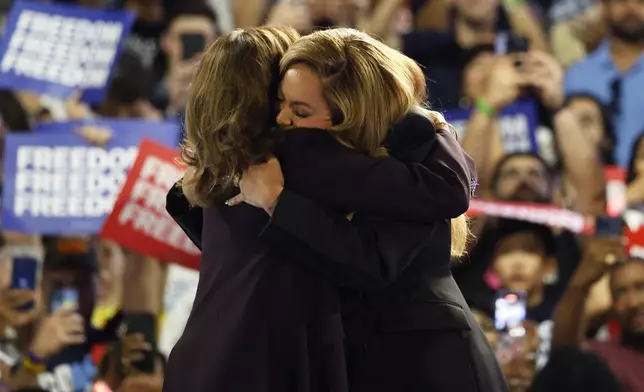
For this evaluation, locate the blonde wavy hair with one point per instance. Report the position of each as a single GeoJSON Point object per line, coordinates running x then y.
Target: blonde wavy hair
{"type": "Point", "coordinates": [230, 109]}
{"type": "Point", "coordinates": [368, 87]}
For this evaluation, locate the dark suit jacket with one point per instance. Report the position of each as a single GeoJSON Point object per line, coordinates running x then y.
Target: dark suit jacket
{"type": "Point", "coordinates": [256, 314]}
{"type": "Point", "coordinates": [406, 322]}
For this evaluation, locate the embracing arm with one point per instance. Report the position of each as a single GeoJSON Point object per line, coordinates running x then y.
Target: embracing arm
{"type": "Point", "coordinates": [427, 176]}
{"type": "Point", "coordinates": [189, 218]}
{"type": "Point", "coordinates": [437, 187]}
{"type": "Point", "coordinates": [362, 254]}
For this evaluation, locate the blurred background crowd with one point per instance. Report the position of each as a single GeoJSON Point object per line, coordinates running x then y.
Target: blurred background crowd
{"type": "Point", "coordinates": [580, 62]}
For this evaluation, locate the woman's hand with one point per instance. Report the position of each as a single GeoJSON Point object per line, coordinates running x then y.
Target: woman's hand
{"type": "Point", "coordinates": [260, 186]}
{"type": "Point", "coordinates": [599, 257]}
{"type": "Point", "coordinates": [95, 135]}
{"type": "Point", "coordinates": [62, 329]}
{"type": "Point", "coordinates": [543, 72]}
{"type": "Point", "coordinates": [77, 110]}
{"type": "Point", "coordinates": [10, 303]}
{"type": "Point", "coordinates": [503, 84]}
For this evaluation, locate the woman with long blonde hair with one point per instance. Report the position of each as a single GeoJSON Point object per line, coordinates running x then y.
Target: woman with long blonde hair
{"type": "Point", "coordinates": [414, 332]}
{"type": "Point", "coordinates": [264, 319]}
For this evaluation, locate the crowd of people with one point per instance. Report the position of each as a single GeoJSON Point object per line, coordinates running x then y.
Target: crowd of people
{"type": "Point", "coordinates": [576, 64]}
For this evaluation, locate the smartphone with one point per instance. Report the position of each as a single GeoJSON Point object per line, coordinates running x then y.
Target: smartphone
{"type": "Point", "coordinates": [66, 297]}
{"type": "Point", "coordinates": [192, 44]}
{"type": "Point", "coordinates": [23, 276]}
{"type": "Point", "coordinates": [508, 43]}
{"type": "Point", "coordinates": [509, 315]}
{"type": "Point", "coordinates": [144, 324]}
{"type": "Point", "coordinates": [509, 310]}
{"type": "Point", "coordinates": [609, 226]}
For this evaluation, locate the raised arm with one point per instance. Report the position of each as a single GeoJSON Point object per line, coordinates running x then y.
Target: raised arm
{"type": "Point", "coordinates": [427, 175]}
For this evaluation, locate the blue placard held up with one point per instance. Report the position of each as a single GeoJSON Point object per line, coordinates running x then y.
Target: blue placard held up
{"type": "Point", "coordinates": [165, 129]}
{"type": "Point", "coordinates": [56, 183]}
{"type": "Point", "coordinates": [518, 124]}
{"type": "Point", "coordinates": [60, 49]}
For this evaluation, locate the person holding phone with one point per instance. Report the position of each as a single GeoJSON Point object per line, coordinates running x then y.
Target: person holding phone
{"type": "Point", "coordinates": [190, 31]}
{"type": "Point", "coordinates": [18, 299]}
{"type": "Point", "coordinates": [624, 354]}
{"type": "Point", "coordinates": [63, 339]}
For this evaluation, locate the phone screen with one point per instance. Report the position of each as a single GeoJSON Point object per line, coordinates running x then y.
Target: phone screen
{"type": "Point", "coordinates": [192, 44]}
{"type": "Point", "coordinates": [24, 272]}
{"type": "Point", "coordinates": [66, 297]}
{"type": "Point", "coordinates": [608, 226]}
{"type": "Point", "coordinates": [510, 310]}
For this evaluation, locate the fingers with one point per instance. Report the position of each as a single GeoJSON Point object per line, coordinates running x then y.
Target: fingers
{"type": "Point", "coordinates": [135, 342]}
{"type": "Point", "coordinates": [21, 297]}
{"type": "Point", "coordinates": [76, 96]}
{"type": "Point", "coordinates": [72, 327]}
{"type": "Point", "coordinates": [73, 323]}
{"type": "Point", "coordinates": [73, 339]}
{"type": "Point", "coordinates": [95, 135]}
{"type": "Point", "coordinates": [236, 200]}
{"type": "Point", "coordinates": [64, 312]}
{"type": "Point", "coordinates": [134, 346]}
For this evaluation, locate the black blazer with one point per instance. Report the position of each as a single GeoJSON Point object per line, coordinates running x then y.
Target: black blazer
{"type": "Point", "coordinates": [406, 322]}
{"type": "Point", "coordinates": [250, 296]}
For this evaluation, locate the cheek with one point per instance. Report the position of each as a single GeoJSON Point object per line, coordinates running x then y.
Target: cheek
{"type": "Point", "coordinates": [508, 184]}
{"type": "Point", "coordinates": [533, 268]}
{"type": "Point", "coordinates": [502, 269]}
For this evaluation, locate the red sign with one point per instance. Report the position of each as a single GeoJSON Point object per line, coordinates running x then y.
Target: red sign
{"type": "Point", "coordinates": [542, 214]}
{"type": "Point", "coordinates": [634, 233]}
{"type": "Point", "coordinates": [139, 221]}
{"type": "Point", "coordinates": [615, 190]}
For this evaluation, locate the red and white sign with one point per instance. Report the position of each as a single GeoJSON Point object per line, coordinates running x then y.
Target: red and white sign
{"type": "Point", "coordinates": [543, 214]}
{"type": "Point", "coordinates": [615, 190]}
{"type": "Point", "coordinates": [634, 233]}
{"type": "Point", "coordinates": [556, 217]}
{"type": "Point", "coordinates": [139, 221]}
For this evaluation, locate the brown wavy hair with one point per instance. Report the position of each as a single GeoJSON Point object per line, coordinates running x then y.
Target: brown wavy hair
{"type": "Point", "coordinates": [230, 109]}
{"type": "Point", "coordinates": [369, 87]}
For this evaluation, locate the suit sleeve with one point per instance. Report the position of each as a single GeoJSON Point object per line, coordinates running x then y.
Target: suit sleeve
{"type": "Point", "coordinates": [190, 219]}
{"type": "Point", "coordinates": [438, 185]}
{"type": "Point", "coordinates": [363, 254]}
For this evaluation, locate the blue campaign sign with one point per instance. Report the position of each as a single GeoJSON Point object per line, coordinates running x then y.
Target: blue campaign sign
{"type": "Point", "coordinates": [168, 132]}
{"type": "Point", "coordinates": [518, 124]}
{"type": "Point", "coordinates": [57, 50]}
{"type": "Point", "coordinates": [57, 183]}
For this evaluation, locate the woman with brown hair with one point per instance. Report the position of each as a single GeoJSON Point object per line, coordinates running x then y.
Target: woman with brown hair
{"type": "Point", "coordinates": [261, 320]}
{"type": "Point", "coordinates": [415, 332]}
